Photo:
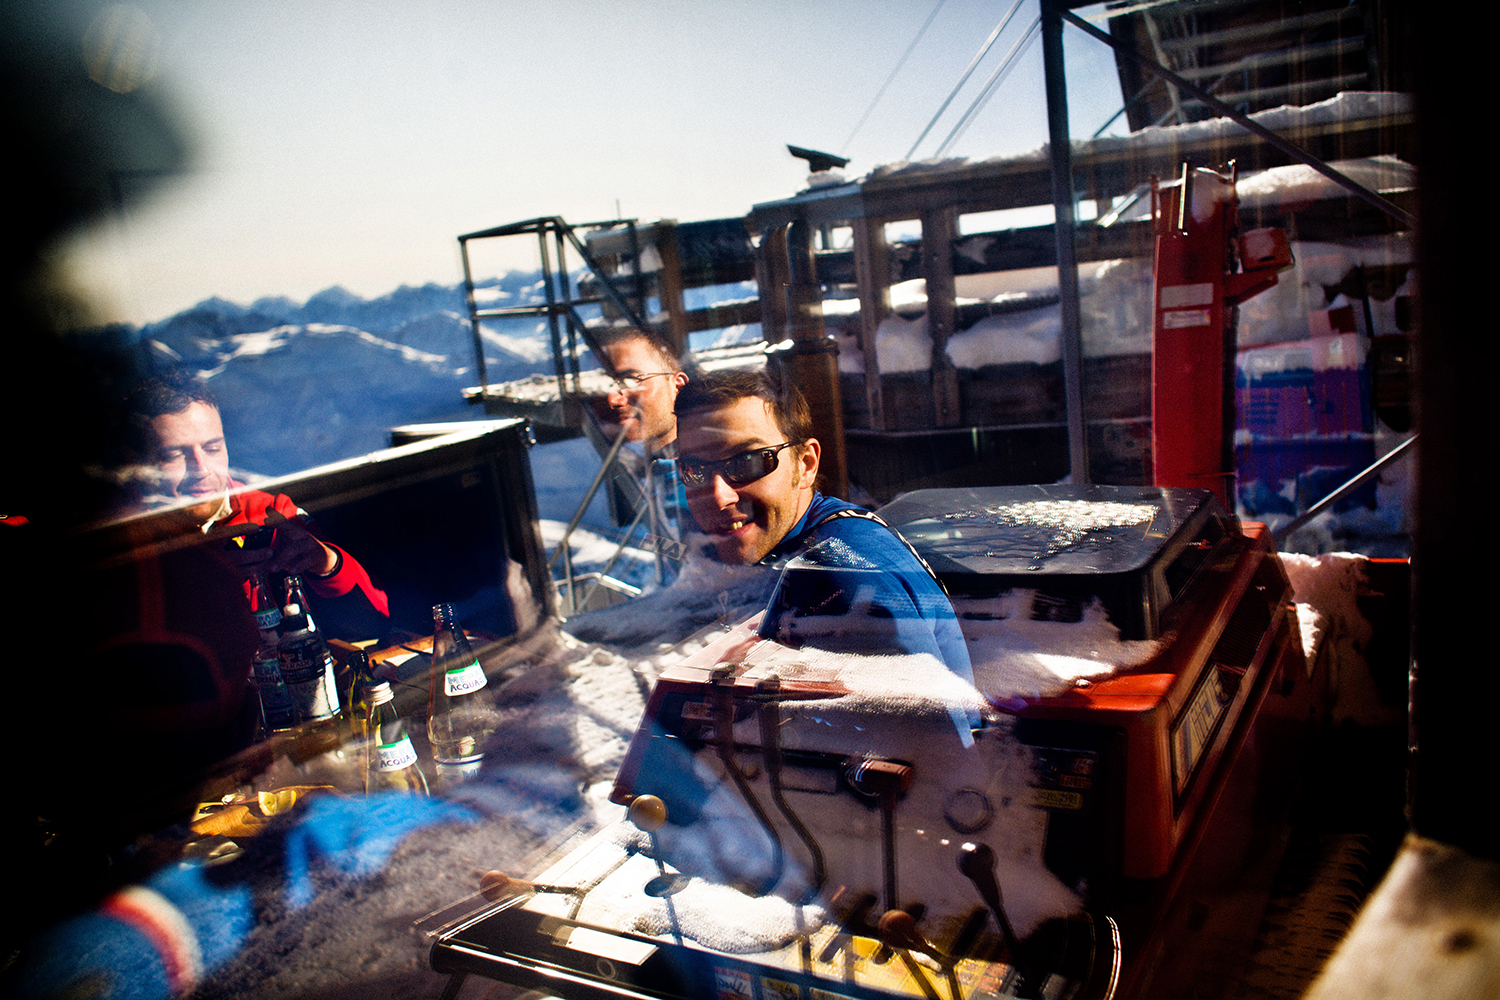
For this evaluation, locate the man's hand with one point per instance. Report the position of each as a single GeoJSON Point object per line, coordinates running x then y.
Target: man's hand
{"type": "Point", "coordinates": [294, 550]}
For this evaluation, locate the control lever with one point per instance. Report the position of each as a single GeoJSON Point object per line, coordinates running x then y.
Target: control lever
{"type": "Point", "coordinates": [649, 814]}
{"type": "Point", "coordinates": [722, 694]}
{"type": "Point", "coordinates": [898, 930]}
{"type": "Point", "coordinates": [768, 691]}
{"type": "Point", "coordinates": [977, 862]}
{"type": "Point", "coordinates": [886, 781]}
{"type": "Point", "coordinates": [854, 921]}
{"type": "Point", "coordinates": [495, 885]}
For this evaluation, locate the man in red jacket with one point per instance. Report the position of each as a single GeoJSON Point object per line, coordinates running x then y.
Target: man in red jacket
{"type": "Point", "coordinates": [180, 437]}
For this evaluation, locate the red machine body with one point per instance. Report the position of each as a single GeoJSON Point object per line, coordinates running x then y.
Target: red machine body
{"type": "Point", "coordinates": [1182, 718]}
{"type": "Point", "coordinates": [1130, 811]}
{"type": "Point", "coordinates": [1204, 269]}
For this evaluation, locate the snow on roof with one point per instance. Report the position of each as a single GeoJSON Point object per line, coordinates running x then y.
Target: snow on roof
{"type": "Point", "coordinates": [1350, 106]}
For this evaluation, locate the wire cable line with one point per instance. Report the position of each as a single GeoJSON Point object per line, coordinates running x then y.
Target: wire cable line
{"type": "Point", "coordinates": [996, 78]}
{"type": "Point", "coordinates": [884, 86]}
{"type": "Point", "coordinates": [983, 49]}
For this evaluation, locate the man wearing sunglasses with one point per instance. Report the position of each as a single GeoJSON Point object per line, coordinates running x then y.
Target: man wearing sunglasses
{"type": "Point", "coordinates": [749, 462]}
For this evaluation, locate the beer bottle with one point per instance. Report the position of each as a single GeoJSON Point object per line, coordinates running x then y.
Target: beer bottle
{"type": "Point", "coordinates": [358, 680]}
{"type": "Point", "coordinates": [460, 712]}
{"type": "Point", "coordinates": [391, 761]}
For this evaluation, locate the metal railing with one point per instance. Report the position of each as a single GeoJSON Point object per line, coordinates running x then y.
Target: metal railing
{"type": "Point", "coordinates": [563, 296]}
{"type": "Point", "coordinates": [1280, 534]}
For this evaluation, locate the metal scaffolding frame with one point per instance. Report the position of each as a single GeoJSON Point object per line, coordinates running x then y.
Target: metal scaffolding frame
{"type": "Point", "coordinates": [562, 299]}
{"type": "Point", "coordinates": [1054, 14]}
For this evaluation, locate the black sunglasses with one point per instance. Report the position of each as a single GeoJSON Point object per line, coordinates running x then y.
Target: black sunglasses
{"type": "Point", "coordinates": [737, 470]}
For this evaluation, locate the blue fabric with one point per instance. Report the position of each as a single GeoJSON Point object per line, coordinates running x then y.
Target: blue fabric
{"type": "Point", "coordinates": [90, 956]}
{"type": "Point", "coordinates": [221, 915]}
{"type": "Point", "coordinates": [853, 584]}
{"type": "Point", "coordinates": [99, 956]}
{"type": "Point", "coordinates": [356, 836]}
{"type": "Point", "coordinates": [667, 497]}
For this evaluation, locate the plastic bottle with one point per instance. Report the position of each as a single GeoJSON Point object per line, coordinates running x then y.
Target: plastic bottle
{"type": "Point", "coordinates": [460, 712]}
{"type": "Point", "coordinates": [276, 711]}
{"type": "Point", "coordinates": [391, 764]}
{"type": "Point", "coordinates": [306, 664]}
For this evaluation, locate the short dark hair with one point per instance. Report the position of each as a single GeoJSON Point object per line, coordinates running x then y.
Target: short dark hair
{"type": "Point", "coordinates": [166, 392]}
{"type": "Point", "coordinates": [725, 387]}
{"type": "Point", "coordinates": [608, 336]}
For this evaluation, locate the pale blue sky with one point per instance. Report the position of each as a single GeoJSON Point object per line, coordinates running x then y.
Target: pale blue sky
{"type": "Point", "coordinates": [349, 143]}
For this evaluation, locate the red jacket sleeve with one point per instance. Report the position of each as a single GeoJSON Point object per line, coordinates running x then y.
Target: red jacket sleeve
{"type": "Point", "coordinates": [252, 506]}
{"type": "Point", "coordinates": [346, 576]}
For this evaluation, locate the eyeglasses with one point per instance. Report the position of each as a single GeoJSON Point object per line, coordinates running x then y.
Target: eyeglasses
{"type": "Point", "coordinates": [632, 381]}
{"type": "Point", "coordinates": [737, 470]}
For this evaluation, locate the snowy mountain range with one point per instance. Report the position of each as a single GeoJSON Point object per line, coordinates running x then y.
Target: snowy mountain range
{"type": "Point", "coordinates": [304, 384]}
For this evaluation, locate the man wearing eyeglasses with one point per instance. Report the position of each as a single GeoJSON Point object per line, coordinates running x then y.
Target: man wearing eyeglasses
{"type": "Point", "coordinates": [646, 381]}
{"type": "Point", "coordinates": [750, 463]}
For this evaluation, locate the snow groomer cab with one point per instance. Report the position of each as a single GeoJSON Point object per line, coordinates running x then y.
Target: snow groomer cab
{"type": "Point", "coordinates": [1090, 817]}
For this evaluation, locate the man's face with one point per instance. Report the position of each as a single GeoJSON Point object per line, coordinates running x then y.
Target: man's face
{"type": "Point", "coordinates": [190, 457]}
{"type": "Point", "coordinates": [746, 522]}
{"type": "Point", "coordinates": [644, 412]}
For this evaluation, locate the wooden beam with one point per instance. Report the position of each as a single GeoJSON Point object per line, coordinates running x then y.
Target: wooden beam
{"type": "Point", "coordinates": [873, 273]}
{"type": "Point", "coordinates": [669, 285]}
{"type": "Point", "coordinates": [772, 274]}
{"type": "Point", "coordinates": [1116, 167]}
{"type": "Point", "coordinates": [939, 228]}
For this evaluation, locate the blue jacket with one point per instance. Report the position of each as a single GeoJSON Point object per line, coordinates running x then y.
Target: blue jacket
{"type": "Point", "coordinates": [852, 583]}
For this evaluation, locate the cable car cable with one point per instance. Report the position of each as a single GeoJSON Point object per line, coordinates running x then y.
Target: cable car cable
{"type": "Point", "coordinates": [983, 50]}
{"type": "Point", "coordinates": [899, 63]}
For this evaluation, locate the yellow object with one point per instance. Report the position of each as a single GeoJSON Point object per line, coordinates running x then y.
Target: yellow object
{"type": "Point", "coordinates": [278, 801]}
{"type": "Point", "coordinates": [246, 818]}
{"type": "Point", "coordinates": [648, 812]}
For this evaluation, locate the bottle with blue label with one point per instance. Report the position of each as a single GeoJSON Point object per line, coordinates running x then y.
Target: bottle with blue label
{"type": "Point", "coordinates": [276, 709]}
{"type": "Point", "coordinates": [391, 762]}
{"type": "Point", "coordinates": [461, 713]}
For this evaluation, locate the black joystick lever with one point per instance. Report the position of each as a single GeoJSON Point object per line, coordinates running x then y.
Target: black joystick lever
{"type": "Point", "coordinates": [977, 862]}
{"type": "Point", "coordinates": [886, 781]}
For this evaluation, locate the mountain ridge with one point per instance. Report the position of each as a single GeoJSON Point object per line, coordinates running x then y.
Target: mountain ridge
{"type": "Point", "coordinates": [304, 384]}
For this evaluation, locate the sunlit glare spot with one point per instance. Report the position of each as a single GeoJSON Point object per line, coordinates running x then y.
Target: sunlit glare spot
{"type": "Point", "coordinates": [1058, 524]}
{"type": "Point", "coordinates": [1071, 668]}
{"type": "Point", "coordinates": [121, 48]}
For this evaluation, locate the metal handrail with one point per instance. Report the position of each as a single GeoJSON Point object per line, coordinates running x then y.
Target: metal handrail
{"type": "Point", "coordinates": [564, 548]}
{"type": "Point", "coordinates": [1279, 534]}
{"type": "Point", "coordinates": [588, 497]}
{"type": "Point", "coordinates": [560, 300]}
{"type": "Point", "coordinates": [564, 544]}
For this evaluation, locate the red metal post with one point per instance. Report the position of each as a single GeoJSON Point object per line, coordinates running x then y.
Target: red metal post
{"type": "Point", "coordinates": [1204, 269]}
